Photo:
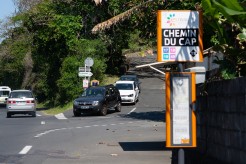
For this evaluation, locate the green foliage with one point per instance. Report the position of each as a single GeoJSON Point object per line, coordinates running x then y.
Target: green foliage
{"type": "Point", "coordinates": [12, 62]}
{"type": "Point", "coordinates": [70, 85]}
{"type": "Point", "coordinates": [58, 35]}
{"type": "Point", "coordinates": [227, 19]}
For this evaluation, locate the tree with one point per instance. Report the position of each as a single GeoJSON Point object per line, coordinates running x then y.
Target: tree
{"type": "Point", "coordinates": [227, 20]}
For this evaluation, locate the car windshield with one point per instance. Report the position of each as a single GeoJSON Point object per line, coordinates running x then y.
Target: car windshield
{"type": "Point", "coordinates": [4, 93]}
{"type": "Point", "coordinates": [21, 95]}
{"type": "Point", "coordinates": [124, 86]}
{"type": "Point", "coordinates": [93, 92]}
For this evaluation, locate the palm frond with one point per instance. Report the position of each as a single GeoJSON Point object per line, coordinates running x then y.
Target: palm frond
{"type": "Point", "coordinates": [114, 20]}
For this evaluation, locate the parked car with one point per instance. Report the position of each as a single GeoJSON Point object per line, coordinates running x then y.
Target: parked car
{"type": "Point", "coordinates": [129, 91]}
{"type": "Point", "coordinates": [131, 77]}
{"type": "Point", "coordinates": [97, 99]}
{"type": "Point", "coordinates": [21, 102]}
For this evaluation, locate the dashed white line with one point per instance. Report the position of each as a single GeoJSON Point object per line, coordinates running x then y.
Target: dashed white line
{"type": "Point", "coordinates": [79, 127]}
{"type": "Point", "coordinates": [25, 150]}
{"type": "Point", "coordinates": [60, 116]}
{"type": "Point", "coordinates": [132, 110]}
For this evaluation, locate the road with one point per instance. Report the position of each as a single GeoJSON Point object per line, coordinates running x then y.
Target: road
{"type": "Point", "coordinates": [135, 135]}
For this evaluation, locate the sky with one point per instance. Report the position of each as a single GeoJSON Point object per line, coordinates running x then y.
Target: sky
{"type": "Point", "coordinates": [7, 8]}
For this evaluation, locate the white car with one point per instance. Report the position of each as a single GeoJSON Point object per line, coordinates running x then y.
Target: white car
{"type": "Point", "coordinates": [129, 92]}
{"type": "Point", "coordinates": [21, 102]}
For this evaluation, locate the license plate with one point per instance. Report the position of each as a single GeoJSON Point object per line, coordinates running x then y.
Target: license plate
{"type": "Point", "coordinates": [20, 102]}
{"type": "Point", "coordinates": [84, 107]}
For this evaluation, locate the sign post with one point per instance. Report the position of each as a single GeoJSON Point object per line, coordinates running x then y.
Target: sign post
{"type": "Point", "coordinates": [179, 39]}
{"type": "Point", "coordinates": [85, 71]}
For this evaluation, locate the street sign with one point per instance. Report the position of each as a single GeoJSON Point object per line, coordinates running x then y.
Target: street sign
{"type": "Point", "coordinates": [180, 115]}
{"type": "Point", "coordinates": [85, 74]}
{"type": "Point", "coordinates": [82, 69]}
{"type": "Point", "coordinates": [89, 62]}
{"type": "Point", "coordinates": [85, 83]}
{"type": "Point", "coordinates": [179, 36]}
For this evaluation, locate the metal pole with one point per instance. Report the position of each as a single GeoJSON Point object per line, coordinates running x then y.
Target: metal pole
{"type": "Point", "coordinates": [181, 156]}
{"type": "Point", "coordinates": [180, 67]}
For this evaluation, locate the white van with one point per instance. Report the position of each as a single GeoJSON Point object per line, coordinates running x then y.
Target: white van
{"type": "Point", "coordinates": [4, 93]}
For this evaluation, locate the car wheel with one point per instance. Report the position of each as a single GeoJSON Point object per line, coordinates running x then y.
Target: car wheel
{"type": "Point", "coordinates": [33, 114]}
{"type": "Point", "coordinates": [76, 114]}
{"type": "Point", "coordinates": [104, 110]}
{"type": "Point", "coordinates": [118, 107]}
{"type": "Point", "coordinates": [8, 115]}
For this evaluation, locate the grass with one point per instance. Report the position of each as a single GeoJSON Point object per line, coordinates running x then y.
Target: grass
{"type": "Point", "coordinates": [57, 109]}
{"type": "Point", "coordinates": [60, 109]}
{"type": "Point", "coordinates": [110, 79]}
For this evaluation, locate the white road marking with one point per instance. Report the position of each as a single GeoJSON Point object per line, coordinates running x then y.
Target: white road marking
{"type": "Point", "coordinates": [104, 125]}
{"type": "Point", "coordinates": [25, 150]}
{"type": "Point", "coordinates": [42, 122]}
{"type": "Point", "coordinates": [60, 116]}
{"type": "Point", "coordinates": [38, 115]}
{"type": "Point", "coordinates": [132, 110]}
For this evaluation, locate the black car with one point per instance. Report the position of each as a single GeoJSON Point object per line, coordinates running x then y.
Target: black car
{"type": "Point", "coordinates": [131, 77]}
{"type": "Point", "coordinates": [97, 99]}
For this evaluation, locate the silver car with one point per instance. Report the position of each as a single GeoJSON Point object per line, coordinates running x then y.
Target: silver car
{"type": "Point", "coordinates": [21, 102]}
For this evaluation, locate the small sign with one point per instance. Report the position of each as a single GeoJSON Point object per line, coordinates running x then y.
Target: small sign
{"type": "Point", "coordinates": [82, 69]}
{"type": "Point", "coordinates": [85, 74]}
{"type": "Point", "coordinates": [89, 62]}
{"type": "Point", "coordinates": [94, 82]}
{"type": "Point", "coordinates": [85, 83]}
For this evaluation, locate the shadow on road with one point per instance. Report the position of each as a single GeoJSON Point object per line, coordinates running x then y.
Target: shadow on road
{"type": "Point", "coordinates": [158, 116]}
{"type": "Point", "coordinates": [144, 146]}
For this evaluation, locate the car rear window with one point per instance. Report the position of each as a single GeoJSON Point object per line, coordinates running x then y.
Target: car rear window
{"type": "Point", "coordinates": [21, 95]}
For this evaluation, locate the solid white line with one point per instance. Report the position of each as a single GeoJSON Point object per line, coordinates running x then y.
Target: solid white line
{"type": "Point", "coordinates": [132, 110]}
{"type": "Point", "coordinates": [38, 115]}
{"type": "Point", "coordinates": [60, 116]}
{"type": "Point", "coordinates": [25, 150]}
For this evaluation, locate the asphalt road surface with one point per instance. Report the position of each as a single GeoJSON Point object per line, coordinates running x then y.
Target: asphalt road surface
{"type": "Point", "coordinates": [136, 135]}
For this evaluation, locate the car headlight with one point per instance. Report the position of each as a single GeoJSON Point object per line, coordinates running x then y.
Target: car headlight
{"type": "Point", "coordinates": [95, 103]}
{"type": "Point", "coordinates": [76, 103]}
{"type": "Point", "coordinates": [131, 95]}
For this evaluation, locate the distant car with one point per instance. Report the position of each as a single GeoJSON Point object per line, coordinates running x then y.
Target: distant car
{"type": "Point", "coordinates": [21, 102]}
{"type": "Point", "coordinates": [129, 91]}
{"type": "Point", "coordinates": [97, 99]}
{"type": "Point", "coordinates": [131, 77]}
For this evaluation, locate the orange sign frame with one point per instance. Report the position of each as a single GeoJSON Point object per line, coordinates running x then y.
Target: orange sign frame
{"type": "Point", "coordinates": [185, 142]}
{"type": "Point", "coordinates": [160, 37]}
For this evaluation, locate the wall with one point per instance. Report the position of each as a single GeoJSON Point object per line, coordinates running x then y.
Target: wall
{"type": "Point", "coordinates": [221, 122]}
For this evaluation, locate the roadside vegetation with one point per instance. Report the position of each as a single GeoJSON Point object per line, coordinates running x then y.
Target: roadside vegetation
{"type": "Point", "coordinates": [46, 41]}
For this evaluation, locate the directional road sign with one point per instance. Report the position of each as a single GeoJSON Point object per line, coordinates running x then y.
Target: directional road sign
{"type": "Point", "coordinates": [82, 69]}
{"type": "Point", "coordinates": [85, 74]}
